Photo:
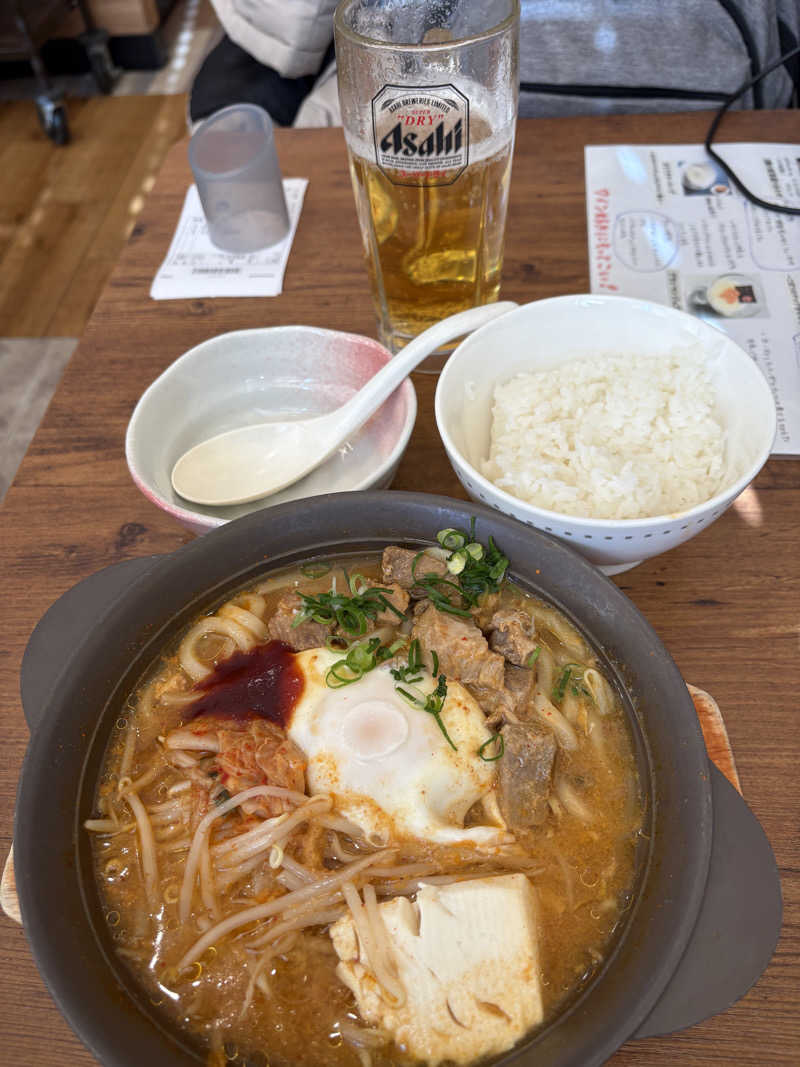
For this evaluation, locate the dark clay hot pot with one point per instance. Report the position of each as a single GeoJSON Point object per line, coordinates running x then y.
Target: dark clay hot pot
{"type": "Point", "coordinates": [707, 912]}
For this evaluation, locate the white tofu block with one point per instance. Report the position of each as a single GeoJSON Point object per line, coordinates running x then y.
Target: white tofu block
{"type": "Point", "coordinates": [467, 957]}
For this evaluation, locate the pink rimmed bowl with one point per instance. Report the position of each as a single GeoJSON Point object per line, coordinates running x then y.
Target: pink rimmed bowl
{"type": "Point", "coordinates": [250, 376]}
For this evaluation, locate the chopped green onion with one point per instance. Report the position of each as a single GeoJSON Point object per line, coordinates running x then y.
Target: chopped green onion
{"type": "Point", "coordinates": [315, 570]}
{"type": "Point", "coordinates": [479, 571]}
{"type": "Point", "coordinates": [341, 674]}
{"type": "Point", "coordinates": [361, 658]}
{"type": "Point", "coordinates": [457, 562]}
{"type": "Point", "coordinates": [432, 704]}
{"type": "Point", "coordinates": [572, 674]}
{"type": "Point", "coordinates": [577, 685]}
{"type": "Point", "coordinates": [409, 696]}
{"type": "Point", "coordinates": [438, 591]}
{"type": "Point", "coordinates": [561, 685]}
{"type": "Point", "coordinates": [495, 739]}
{"type": "Point", "coordinates": [355, 589]}
{"type": "Point", "coordinates": [410, 673]}
{"type": "Point", "coordinates": [532, 658]}
{"type": "Point", "coordinates": [414, 655]}
{"type": "Point", "coordinates": [435, 661]}
{"type": "Point", "coordinates": [350, 613]}
{"type": "Point", "coordinates": [451, 539]}
{"type": "Point", "coordinates": [352, 620]}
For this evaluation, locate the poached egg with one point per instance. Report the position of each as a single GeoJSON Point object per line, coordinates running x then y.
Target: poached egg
{"type": "Point", "coordinates": [387, 763]}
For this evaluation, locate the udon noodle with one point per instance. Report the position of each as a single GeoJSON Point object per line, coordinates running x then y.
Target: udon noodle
{"type": "Point", "coordinates": [238, 853]}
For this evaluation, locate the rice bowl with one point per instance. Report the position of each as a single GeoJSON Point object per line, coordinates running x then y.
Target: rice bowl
{"type": "Point", "coordinates": [550, 334]}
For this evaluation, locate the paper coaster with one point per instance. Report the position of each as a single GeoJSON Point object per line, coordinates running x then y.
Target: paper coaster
{"type": "Point", "coordinates": [194, 267]}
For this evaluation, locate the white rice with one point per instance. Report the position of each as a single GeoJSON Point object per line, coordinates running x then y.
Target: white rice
{"type": "Point", "coordinates": [611, 437]}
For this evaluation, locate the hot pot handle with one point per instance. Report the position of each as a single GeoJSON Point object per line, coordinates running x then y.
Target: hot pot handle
{"type": "Point", "coordinates": [738, 925]}
{"type": "Point", "coordinates": [63, 626]}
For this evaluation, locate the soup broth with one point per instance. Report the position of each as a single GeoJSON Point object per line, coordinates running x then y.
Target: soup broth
{"type": "Point", "coordinates": [236, 850]}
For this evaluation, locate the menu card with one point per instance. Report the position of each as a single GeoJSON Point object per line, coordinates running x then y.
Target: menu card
{"type": "Point", "coordinates": [194, 267]}
{"type": "Point", "coordinates": [667, 224]}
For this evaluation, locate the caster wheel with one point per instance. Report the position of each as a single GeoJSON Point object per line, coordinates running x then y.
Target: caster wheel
{"type": "Point", "coordinates": [54, 123]}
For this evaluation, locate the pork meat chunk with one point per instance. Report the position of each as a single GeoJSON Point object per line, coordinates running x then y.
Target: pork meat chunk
{"type": "Point", "coordinates": [483, 611]}
{"type": "Point", "coordinates": [512, 633]}
{"type": "Point", "coordinates": [495, 703]}
{"type": "Point", "coordinates": [525, 774]}
{"type": "Point", "coordinates": [399, 599]}
{"type": "Point", "coordinates": [308, 634]}
{"type": "Point", "coordinates": [520, 684]}
{"type": "Point", "coordinates": [397, 565]}
{"type": "Point", "coordinates": [511, 702]}
{"type": "Point", "coordinates": [463, 652]}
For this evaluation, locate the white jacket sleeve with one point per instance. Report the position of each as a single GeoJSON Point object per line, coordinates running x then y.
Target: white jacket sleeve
{"type": "Point", "coordinates": [321, 106]}
{"type": "Point", "coordinates": [289, 35]}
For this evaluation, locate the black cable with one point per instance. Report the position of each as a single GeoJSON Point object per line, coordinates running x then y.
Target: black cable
{"type": "Point", "coordinates": [751, 196]}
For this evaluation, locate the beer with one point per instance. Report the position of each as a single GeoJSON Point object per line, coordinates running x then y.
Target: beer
{"type": "Point", "coordinates": [429, 101]}
{"type": "Point", "coordinates": [431, 250]}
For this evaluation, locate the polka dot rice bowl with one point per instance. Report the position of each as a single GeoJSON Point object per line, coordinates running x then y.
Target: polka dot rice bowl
{"type": "Point", "coordinates": [548, 334]}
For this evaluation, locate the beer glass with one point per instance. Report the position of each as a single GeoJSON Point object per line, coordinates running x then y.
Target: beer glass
{"type": "Point", "coordinates": [428, 93]}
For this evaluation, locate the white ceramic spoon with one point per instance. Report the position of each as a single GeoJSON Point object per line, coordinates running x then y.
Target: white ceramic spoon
{"type": "Point", "coordinates": [254, 461]}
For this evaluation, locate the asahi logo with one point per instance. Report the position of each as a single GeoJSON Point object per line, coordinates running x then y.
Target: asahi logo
{"type": "Point", "coordinates": [421, 134]}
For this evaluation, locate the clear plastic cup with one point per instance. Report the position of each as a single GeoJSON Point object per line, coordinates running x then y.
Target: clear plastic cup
{"type": "Point", "coordinates": [235, 166]}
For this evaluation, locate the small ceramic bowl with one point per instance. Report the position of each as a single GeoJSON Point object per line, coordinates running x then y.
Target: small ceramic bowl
{"type": "Point", "coordinates": [549, 333]}
{"type": "Point", "coordinates": [250, 376]}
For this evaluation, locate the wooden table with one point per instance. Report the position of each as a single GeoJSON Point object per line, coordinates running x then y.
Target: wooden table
{"type": "Point", "coordinates": [725, 604]}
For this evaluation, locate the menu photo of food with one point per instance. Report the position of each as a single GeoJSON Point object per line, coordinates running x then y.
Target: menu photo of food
{"type": "Point", "coordinates": [703, 178]}
{"type": "Point", "coordinates": [727, 296]}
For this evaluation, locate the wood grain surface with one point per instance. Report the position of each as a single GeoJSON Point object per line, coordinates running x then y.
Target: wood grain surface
{"type": "Point", "coordinates": [725, 604]}
{"type": "Point", "coordinates": [65, 216]}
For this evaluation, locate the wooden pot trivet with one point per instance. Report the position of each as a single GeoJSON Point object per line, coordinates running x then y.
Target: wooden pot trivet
{"type": "Point", "coordinates": [714, 734]}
